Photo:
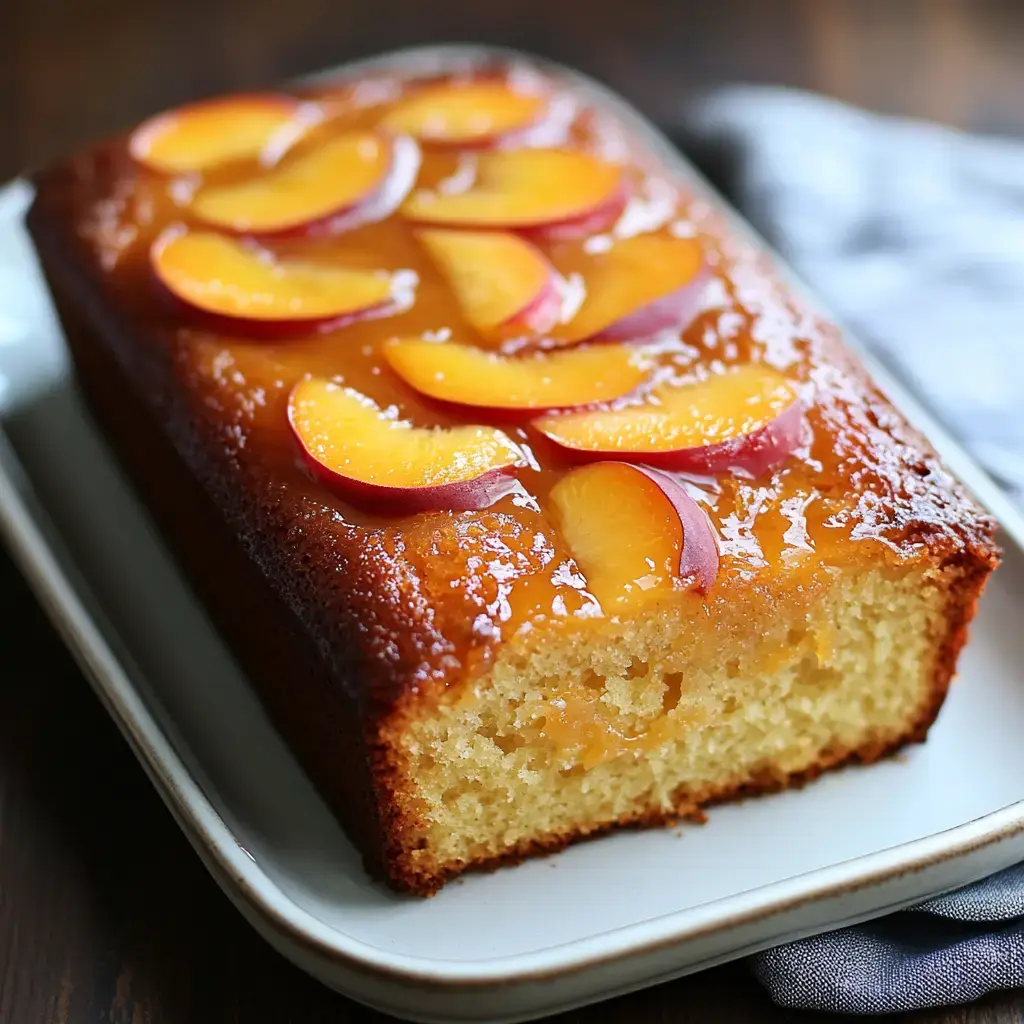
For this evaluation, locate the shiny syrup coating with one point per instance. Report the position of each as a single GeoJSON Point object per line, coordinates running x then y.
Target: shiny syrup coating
{"type": "Point", "coordinates": [862, 481]}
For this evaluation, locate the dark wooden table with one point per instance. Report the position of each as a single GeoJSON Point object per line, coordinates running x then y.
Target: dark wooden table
{"type": "Point", "coordinates": [105, 913]}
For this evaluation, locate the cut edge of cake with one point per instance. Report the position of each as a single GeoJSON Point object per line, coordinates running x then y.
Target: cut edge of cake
{"type": "Point", "coordinates": [574, 732]}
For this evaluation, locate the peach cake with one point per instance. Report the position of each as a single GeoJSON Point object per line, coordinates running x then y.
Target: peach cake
{"type": "Point", "coordinates": [532, 500]}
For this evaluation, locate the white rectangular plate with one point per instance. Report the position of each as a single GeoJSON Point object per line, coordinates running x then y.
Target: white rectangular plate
{"type": "Point", "coordinates": [599, 919]}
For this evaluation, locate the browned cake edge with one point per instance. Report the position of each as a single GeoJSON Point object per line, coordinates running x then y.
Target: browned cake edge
{"type": "Point", "coordinates": [296, 684]}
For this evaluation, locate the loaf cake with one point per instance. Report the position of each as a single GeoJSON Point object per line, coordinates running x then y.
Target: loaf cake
{"type": "Point", "coordinates": [530, 497]}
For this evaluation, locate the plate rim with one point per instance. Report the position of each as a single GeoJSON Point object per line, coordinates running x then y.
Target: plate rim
{"type": "Point", "coordinates": [40, 554]}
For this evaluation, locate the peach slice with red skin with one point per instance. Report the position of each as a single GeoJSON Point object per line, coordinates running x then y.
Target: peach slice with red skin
{"type": "Point", "coordinates": [523, 189]}
{"type": "Point", "coordinates": [505, 286]}
{"type": "Point", "coordinates": [466, 114]}
{"type": "Point", "coordinates": [356, 178]}
{"type": "Point", "coordinates": [634, 531]}
{"type": "Point", "coordinates": [466, 375]}
{"type": "Point", "coordinates": [384, 463]}
{"type": "Point", "coordinates": [640, 287]}
{"type": "Point", "coordinates": [201, 136]}
{"type": "Point", "coordinates": [749, 418]}
{"type": "Point", "coordinates": [602, 218]}
{"type": "Point", "coordinates": [243, 288]}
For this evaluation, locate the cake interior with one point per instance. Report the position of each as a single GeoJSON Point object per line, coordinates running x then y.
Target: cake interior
{"type": "Point", "coordinates": [639, 720]}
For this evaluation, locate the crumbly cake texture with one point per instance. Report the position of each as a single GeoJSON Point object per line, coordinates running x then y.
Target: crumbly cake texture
{"type": "Point", "coordinates": [446, 679]}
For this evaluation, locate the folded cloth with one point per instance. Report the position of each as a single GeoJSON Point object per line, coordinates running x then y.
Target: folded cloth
{"type": "Point", "coordinates": [913, 234]}
{"type": "Point", "coordinates": [952, 949]}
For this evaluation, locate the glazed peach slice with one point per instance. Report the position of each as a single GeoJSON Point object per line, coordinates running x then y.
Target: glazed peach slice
{"type": "Point", "coordinates": [505, 286]}
{"type": "Point", "coordinates": [639, 287]}
{"type": "Point", "coordinates": [524, 189]}
{"type": "Point", "coordinates": [205, 135]}
{"type": "Point", "coordinates": [466, 375]}
{"type": "Point", "coordinates": [634, 531]}
{"type": "Point", "coordinates": [466, 114]}
{"type": "Point", "coordinates": [355, 178]}
{"type": "Point", "coordinates": [748, 419]}
{"type": "Point", "coordinates": [377, 460]}
{"type": "Point", "coordinates": [243, 287]}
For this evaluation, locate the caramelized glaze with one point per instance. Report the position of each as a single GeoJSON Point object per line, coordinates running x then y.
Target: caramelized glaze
{"type": "Point", "coordinates": [861, 476]}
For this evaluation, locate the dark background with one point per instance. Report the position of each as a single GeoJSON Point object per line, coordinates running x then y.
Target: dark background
{"type": "Point", "coordinates": [74, 69]}
{"type": "Point", "coordinates": [105, 913]}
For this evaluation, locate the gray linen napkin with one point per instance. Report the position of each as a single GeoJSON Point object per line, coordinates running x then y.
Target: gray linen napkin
{"type": "Point", "coordinates": [913, 234]}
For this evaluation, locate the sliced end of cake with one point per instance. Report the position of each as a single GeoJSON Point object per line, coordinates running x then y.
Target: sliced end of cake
{"type": "Point", "coordinates": [577, 729]}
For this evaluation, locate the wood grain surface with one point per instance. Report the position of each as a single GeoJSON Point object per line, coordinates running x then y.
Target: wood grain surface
{"type": "Point", "coordinates": [106, 915]}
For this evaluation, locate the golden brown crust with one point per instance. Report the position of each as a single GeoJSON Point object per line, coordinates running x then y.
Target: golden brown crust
{"type": "Point", "coordinates": [301, 688]}
{"type": "Point", "coordinates": [347, 623]}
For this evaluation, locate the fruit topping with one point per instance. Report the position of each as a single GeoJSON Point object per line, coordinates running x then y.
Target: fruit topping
{"type": "Point", "coordinates": [205, 135]}
{"type": "Point", "coordinates": [523, 188]}
{"type": "Point", "coordinates": [505, 286]}
{"type": "Point", "coordinates": [634, 531]}
{"type": "Point", "coordinates": [373, 458]}
{"type": "Point", "coordinates": [466, 113]}
{"type": "Point", "coordinates": [748, 418]}
{"type": "Point", "coordinates": [356, 178]}
{"type": "Point", "coordinates": [247, 289]}
{"type": "Point", "coordinates": [640, 287]}
{"type": "Point", "coordinates": [544, 380]}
